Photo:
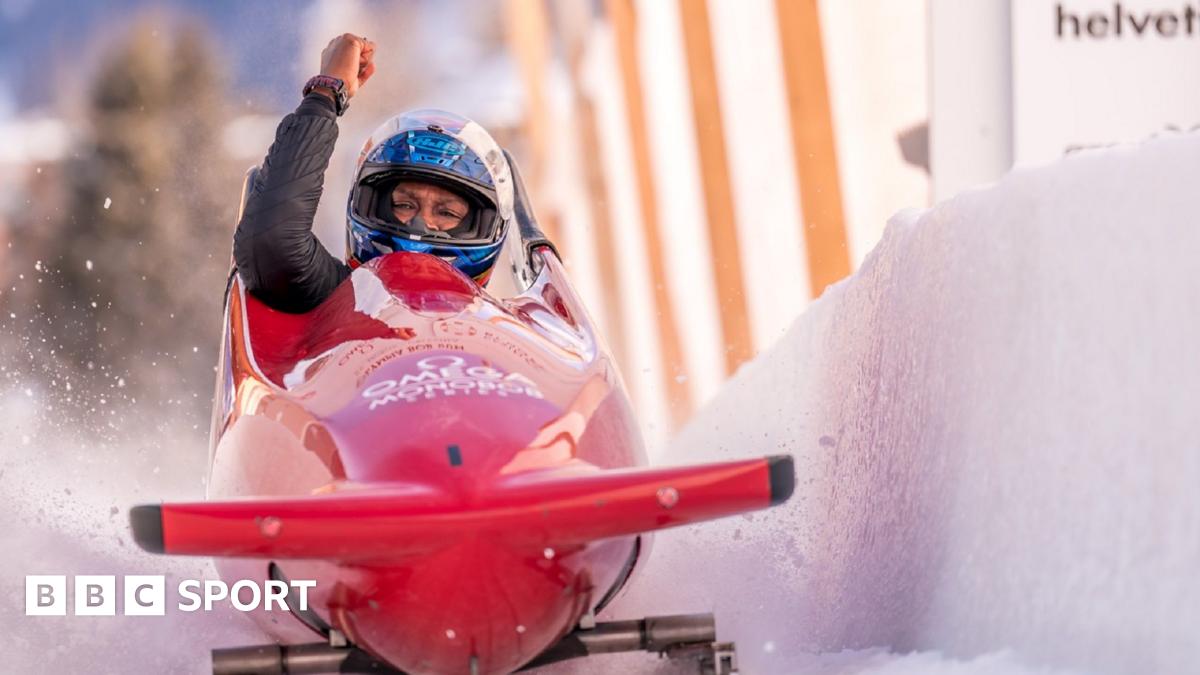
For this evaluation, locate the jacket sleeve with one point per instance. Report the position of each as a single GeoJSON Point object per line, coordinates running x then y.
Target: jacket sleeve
{"type": "Point", "coordinates": [278, 257]}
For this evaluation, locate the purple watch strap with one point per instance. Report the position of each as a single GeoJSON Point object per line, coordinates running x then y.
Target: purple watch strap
{"type": "Point", "coordinates": [336, 85]}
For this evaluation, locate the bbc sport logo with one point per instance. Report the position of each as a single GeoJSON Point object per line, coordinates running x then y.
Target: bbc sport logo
{"type": "Point", "coordinates": [146, 595]}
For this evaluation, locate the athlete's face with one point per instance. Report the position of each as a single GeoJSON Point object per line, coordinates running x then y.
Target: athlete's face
{"type": "Point", "coordinates": [440, 208]}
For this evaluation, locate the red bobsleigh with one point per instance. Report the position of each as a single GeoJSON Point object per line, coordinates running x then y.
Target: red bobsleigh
{"type": "Point", "coordinates": [461, 475]}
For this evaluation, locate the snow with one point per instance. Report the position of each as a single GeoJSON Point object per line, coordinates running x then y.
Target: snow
{"type": "Point", "coordinates": [993, 423]}
{"type": "Point", "coordinates": [66, 497]}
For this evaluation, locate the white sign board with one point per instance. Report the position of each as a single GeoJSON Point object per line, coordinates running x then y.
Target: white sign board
{"type": "Point", "coordinates": [1095, 72]}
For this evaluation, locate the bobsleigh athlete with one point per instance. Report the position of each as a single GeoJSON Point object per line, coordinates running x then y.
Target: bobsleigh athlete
{"type": "Point", "coordinates": [427, 181]}
{"type": "Point", "coordinates": [457, 473]}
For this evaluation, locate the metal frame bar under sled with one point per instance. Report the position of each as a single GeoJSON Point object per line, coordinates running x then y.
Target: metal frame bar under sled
{"type": "Point", "coordinates": [683, 637]}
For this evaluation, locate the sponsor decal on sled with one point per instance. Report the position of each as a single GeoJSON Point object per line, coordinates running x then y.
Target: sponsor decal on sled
{"type": "Point", "coordinates": [448, 376]}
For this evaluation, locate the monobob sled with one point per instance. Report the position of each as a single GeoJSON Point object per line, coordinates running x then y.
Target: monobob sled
{"type": "Point", "coordinates": [459, 470]}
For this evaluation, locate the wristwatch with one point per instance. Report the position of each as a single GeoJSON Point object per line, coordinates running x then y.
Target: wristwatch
{"type": "Point", "coordinates": [334, 84]}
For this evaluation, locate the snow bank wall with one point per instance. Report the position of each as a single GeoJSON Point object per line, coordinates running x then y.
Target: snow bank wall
{"type": "Point", "coordinates": [995, 422]}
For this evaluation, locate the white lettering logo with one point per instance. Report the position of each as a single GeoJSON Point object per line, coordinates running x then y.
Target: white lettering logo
{"type": "Point", "coordinates": [146, 594]}
{"type": "Point", "coordinates": [45, 595]}
{"type": "Point", "coordinates": [449, 376]}
{"type": "Point", "coordinates": [95, 595]}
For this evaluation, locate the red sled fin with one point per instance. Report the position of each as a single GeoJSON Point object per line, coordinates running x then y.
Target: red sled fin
{"type": "Point", "coordinates": [533, 510]}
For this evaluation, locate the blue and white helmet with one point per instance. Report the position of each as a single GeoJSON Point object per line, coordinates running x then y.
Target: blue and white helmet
{"type": "Point", "coordinates": [445, 150]}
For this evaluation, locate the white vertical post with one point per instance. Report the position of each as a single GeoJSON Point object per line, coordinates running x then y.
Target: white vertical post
{"type": "Point", "coordinates": [970, 107]}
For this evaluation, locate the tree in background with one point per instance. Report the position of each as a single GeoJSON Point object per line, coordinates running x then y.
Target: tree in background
{"type": "Point", "coordinates": [125, 254]}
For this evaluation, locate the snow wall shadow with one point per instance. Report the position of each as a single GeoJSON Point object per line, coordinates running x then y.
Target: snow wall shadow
{"type": "Point", "coordinates": [995, 430]}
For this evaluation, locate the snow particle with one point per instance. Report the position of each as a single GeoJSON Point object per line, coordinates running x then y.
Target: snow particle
{"type": "Point", "coordinates": [107, 202]}
{"type": "Point", "coordinates": [88, 264]}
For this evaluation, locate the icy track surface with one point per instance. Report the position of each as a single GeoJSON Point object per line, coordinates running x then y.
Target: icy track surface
{"type": "Point", "coordinates": [995, 430]}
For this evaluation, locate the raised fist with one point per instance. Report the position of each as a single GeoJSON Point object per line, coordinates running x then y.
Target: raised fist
{"type": "Point", "coordinates": [351, 59]}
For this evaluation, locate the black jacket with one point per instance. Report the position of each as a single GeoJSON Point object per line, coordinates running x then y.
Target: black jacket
{"type": "Point", "coordinates": [278, 257]}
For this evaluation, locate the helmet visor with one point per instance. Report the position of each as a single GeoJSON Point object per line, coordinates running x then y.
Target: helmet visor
{"type": "Point", "coordinates": [421, 206]}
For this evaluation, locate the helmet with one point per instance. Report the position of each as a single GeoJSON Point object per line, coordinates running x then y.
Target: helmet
{"type": "Point", "coordinates": [445, 150]}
